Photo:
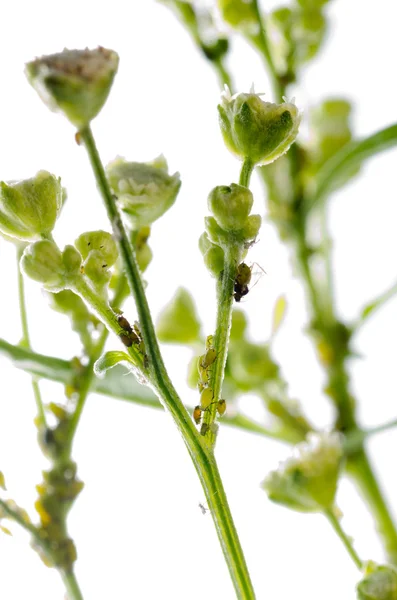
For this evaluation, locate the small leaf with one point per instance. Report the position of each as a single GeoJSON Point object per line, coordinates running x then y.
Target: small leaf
{"type": "Point", "coordinates": [109, 360]}
{"type": "Point", "coordinates": [5, 530]}
{"type": "Point", "coordinates": [2, 482]}
{"type": "Point", "coordinates": [279, 313]}
{"type": "Point", "coordinates": [348, 158]}
{"type": "Point", "coordinates": [178, 322]}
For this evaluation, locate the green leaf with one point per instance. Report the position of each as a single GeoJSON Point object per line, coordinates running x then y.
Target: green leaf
{"type": "Point", "coordinates": [347, 159]}
{"type": "Point", "coordinates": [279, 313]}
{"type": "Point", "coordinates": [2, 482]}
{"type": "Point", "coordinates": [178, 322]}
{"type": "Point", "coordinates": [109, 360]}
{"type": "Point", "coordinates": [374, 305]}
{"type": "Point", "coordinates": [116, 383]}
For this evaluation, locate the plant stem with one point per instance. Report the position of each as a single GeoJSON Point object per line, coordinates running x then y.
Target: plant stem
{"type": "Point", "coordinates": [202, 456]}
{"type": "Point", "coordinates": [338, 381]}
{"type": "Point", "coordinates": [68, 577]}
{"type": "Point", "coordinates": [86, 379]}
{"type": "Point", "coordinates": [346, 541]}
{"type": "Point", "coordinates": [225, 302]}
{"type": "Point", "coordinates": [246, 172]}
{"type": "Point", "coordinates": [261, 42]}
{"type": "Point", "coordinates": [361, 470]}
{"type": "Point", "coordinates": [71, 585]}
{"type": "Point", "coordinates": [25, 342]}
{"type": "Point", "coordinates": [223, 74]}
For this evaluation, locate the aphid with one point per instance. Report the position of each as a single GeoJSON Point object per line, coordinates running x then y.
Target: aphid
{"type": "Point", "coordinates": [126, 340]}
{"type": "Point", "coordinates": [204, 428]}
{"type": "Point", "coordinates": [243, 278]}
{"type": "Point", "coordinates": [206, 398]}
{"type": "Point", "coordinates": [221, 407]}
{"type": "Point", "coordinates": [124, 324]}
{"type": "Point", "coordinates": [209, 342]}
{"type": "Point", "coordinates": [197, 412]}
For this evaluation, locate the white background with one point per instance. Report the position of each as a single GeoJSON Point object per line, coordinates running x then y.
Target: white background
{"type": "Point", "coordinates": [137, 525]}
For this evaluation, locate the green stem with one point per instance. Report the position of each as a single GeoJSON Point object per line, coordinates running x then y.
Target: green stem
{"type": "Point", "coordinates": [223, 74]}
{"type": "Point", "coordinates": [68, 577]}
{"type": "Point", "coordinates": [361, 470]}
{"type": "Point", "coordinates": [246, 172]}
{"type": "Point", "coordinates": [225, 301]}
{"type": "Point", "coordinates": [25, 342]}
{"type": "Point", "coordinates": [346, 541]}
{"type": "Point", "coordinates": [71, 585]}
{"type": "Point", "coordinates": [202, 456]}
{"type": "Point", "coordinates": [86, 379]}
{"type": "Point", "coordinates": [261, 42]}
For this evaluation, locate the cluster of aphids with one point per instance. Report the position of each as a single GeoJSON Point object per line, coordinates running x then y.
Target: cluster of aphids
{"type": "Point", "coordinates": [131, 336]}
{"type": "Point", "coordinates": [204, 365]}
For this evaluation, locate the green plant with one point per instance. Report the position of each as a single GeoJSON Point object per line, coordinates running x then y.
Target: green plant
{"type": "Point", "coordinates": [90, 279]}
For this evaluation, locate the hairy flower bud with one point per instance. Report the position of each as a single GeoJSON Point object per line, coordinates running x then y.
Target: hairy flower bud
{"type": "Point", "coordinates": [75, 82]}
{"type": "Point", "coordinates": [145, 191]}
{"type": "Point", "coordinates": [56, 270]}
{"type": "Point", "coordinates": [214, 256]}
{"type": "Point", "coordinates": [308, 480]}
{"type": "Point", "coordinates": [29, 208]}
{"type": "Point", "coordinates": [230, 206]}
{"type": "Point", "coordinates": [258, 130]}
{"type": "Point", "coordinates": [379, 583]}
{"type": "Point", "coordinates": [99, 252]}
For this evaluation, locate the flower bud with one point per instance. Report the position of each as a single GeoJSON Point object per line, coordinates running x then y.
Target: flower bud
{"type": "Point", "coordinates": [29, 208]}
{"type": "Point", "coordinates": [379, 583]}
{"type": "Point", "coordinates": [308, 480]}
{"type": "Point", "coordinates": [258, 130]}
{"type": "Point", "coordinates": [230, 206]}
{"type": "Point", "coordinates": [178, 322]}
{"type": "Point", "coordinates": [44, 262]}
{"type": "Point", "coordinates": [145, 191]}
{"type": "Point", "coordinates": [99, 252]}
{"type": "Point", "coordinates": [214, 256]}
{"type": "Point", "coordinates": [75, 82]}
{"type": "Point", "coordinates": [252, 227]}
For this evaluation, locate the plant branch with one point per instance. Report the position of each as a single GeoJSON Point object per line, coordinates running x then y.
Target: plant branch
{"type": "Point", "coordinates": [87, 378]}
{"type": "Point", "coordinates": [261, 42]}
{"type": "Point", "coordinates": [361, 470]}
{"type": "Point", "coordinates": [201, 455]}
{"type": "Point", "coordinates": [25, 342]}
{"type": "Point", "coordinates": [345, 539]}
{"type": "Point", "coordinates": [225, 300]}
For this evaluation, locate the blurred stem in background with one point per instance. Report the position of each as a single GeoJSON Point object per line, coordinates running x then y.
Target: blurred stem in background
{"type": "Point", "coordinates": [330, 335]}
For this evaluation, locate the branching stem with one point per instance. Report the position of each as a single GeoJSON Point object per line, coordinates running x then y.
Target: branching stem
{"type": "Point", "coordinates": [201, 455]}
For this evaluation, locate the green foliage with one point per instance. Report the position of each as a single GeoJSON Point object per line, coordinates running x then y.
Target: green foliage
{"type": "Point", "coordinates": [178, 322]}
{"type": "Point", "coordinates": [109, 360]}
